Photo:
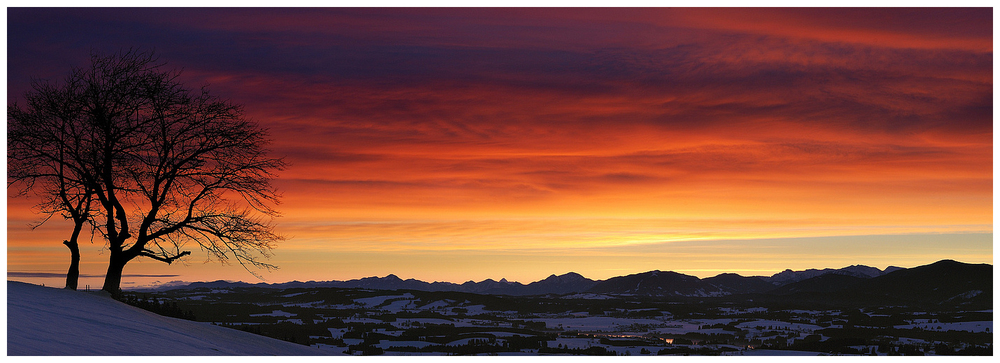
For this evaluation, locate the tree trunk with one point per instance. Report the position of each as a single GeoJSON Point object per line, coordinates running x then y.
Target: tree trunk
{"type": "Point", "coordinates": [73, 275]}
{"type": "Point", "coordinates": [113, 279]}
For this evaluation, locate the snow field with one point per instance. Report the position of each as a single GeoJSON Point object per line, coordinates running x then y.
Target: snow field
{"type": "Point", "coordinates": [588, 296]}
{"type": "Point", "coordinates": [50, 321]}
{"type": "Point", "coordinates": [392, 333]}
{"type": "Point", "coordinates": [684, 327]}
{"type": "Point", "coordinates": [399, 305]}
{"type": "Point", "coordinates": [435, 305]}
{"type": "Point", "coordinates": [735, 311]}
{"type": "Point", "coordinates": [778, 326]}
{"type": "Point", "coordinates": [503, 334]}
{"type": "Point", "coordinates": [469, 310]}
{"type": "Point", "coordinates": [574, 343]}
{"type": "Point", "coordinates": [386, 344]}
{"type": "Point", "coordinates": [465, 341]}
{"type": "Point", "coordinates": [379, 300]}
{"type": "Point", "coordinates": [912, 341]}
{"type": "Point", "coordinates": [337, 333]}
{"type": "Point", "coordinates": [712, 321]}
{"type": "Point", "coordinates": [362, 320]}
{"type": "Point", "coordinates": [596, 323]}
{"type": "Point", "coordinates": [406, 323]}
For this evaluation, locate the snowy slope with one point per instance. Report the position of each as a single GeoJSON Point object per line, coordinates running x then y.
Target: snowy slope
{"type": "Point", "coordinates": [50, 321]}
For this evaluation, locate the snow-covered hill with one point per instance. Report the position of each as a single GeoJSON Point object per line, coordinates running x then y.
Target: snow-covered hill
{"type": "Point", "coordinates": [50, 321]}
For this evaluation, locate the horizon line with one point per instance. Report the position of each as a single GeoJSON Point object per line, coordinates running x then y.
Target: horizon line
{"type": "Point", "coordinates": [178, 282]}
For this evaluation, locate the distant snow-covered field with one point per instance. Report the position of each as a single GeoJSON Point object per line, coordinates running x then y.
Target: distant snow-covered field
{"type": "Point", "coordinates": [599, 323]}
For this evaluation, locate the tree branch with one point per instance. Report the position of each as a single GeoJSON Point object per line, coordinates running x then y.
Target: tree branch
{"type": "Point", "coordinates": [168, 260]}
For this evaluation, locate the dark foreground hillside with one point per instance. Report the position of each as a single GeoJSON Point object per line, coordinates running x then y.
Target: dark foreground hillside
{"type": "Point", "coordinates": [49, 321]}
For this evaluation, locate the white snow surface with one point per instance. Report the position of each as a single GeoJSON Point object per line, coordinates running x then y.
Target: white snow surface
{"type": "Point", "coordinates": [597, 323]}
{"type": "Point", "coordinates": [51, 321]}
{"type": "Point", "coordinates": [405, 323]}
{"type": "Point", "coordinates": [399, 305]}
{"type": "Point", "coordinates": [778, 325]}
{"type": "Point", "coordinates": [434, 305]}
{"type": "Point", "coordinates": [385, 344]}
{"type": "Point", "coordinates": [588, 296]}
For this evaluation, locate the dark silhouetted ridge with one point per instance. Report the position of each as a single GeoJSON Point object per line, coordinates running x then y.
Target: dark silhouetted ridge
{"type": "Point", "coordinates": [822, 283]}
{"type": "Point", "coordinates": [942, 282]}
{"type": "Point", "coordinates": [945, 282]}
{"type": "Point", "coordinates": [564, 284]}
{"type": "Point", "coordinates": [735, 284]}
{"type": "Point", "coordinates": [658, 283]}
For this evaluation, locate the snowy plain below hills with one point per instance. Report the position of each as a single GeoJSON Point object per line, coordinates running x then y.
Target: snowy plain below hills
{"type": "Point", "coordinates": [51, 321]}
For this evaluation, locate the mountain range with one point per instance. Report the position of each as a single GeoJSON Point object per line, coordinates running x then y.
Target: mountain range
{"type": "Point", "coordinates": [943, 281]}
{"type": "Point", "coordinates": [562, 284]}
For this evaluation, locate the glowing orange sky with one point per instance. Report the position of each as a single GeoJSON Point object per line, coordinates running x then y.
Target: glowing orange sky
{"type": "Point", "coordinates": [457, 144]}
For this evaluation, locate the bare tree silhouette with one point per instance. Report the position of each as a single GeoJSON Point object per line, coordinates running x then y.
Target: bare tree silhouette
{"type": "Point", "coordinates": [166, 165]}
{"type": "Point", "coordinates": [41, 144]}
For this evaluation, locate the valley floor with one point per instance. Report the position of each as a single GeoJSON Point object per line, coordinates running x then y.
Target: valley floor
{"type": "Point", "coordinates": [383, 322]}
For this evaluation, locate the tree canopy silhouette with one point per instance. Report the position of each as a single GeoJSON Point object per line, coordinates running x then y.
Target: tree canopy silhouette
{"type": "Point", "coordinates": [40, 148]}
{"type": "Point", "coordinates": [165, 165]}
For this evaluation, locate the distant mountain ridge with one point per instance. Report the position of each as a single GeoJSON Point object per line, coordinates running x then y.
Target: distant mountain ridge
{"type": "Point", "coordinates": [657, 283]}
{"type": "Point", "coordinates": [945, 283]}
{"type": "Point", "coordinates": [562, 284]}
{"type": "Point", "coordinates": [669, 283]}
{"type": "Point", "coordinates": [862, 271]}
